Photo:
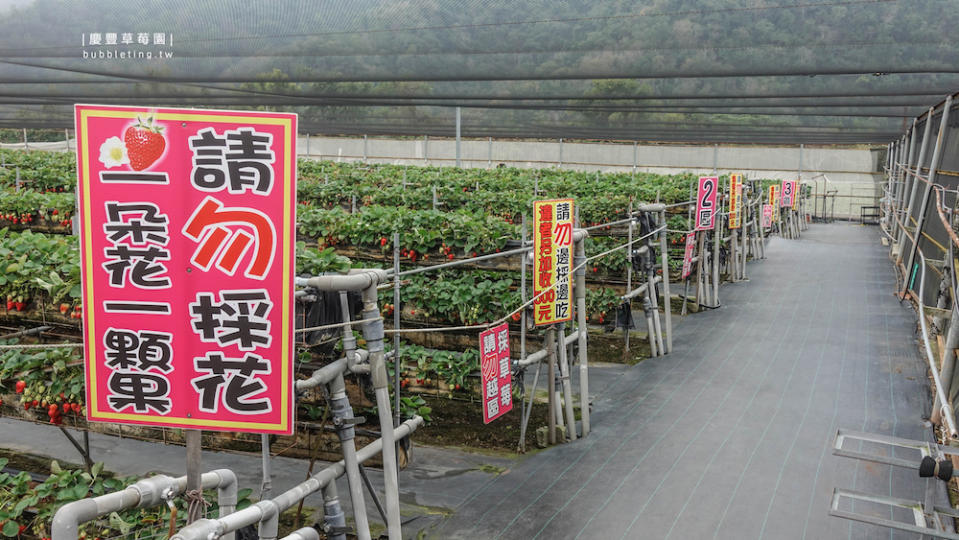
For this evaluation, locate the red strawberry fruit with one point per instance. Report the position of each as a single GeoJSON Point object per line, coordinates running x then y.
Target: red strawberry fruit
{"type": "Point", "coordinates": [145, 143]}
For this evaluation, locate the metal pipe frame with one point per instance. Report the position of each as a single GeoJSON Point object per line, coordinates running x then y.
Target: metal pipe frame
{"type": "Point", "coordinates": [267, 511]}
{"type": "Point", "coordinates": [146, 493]}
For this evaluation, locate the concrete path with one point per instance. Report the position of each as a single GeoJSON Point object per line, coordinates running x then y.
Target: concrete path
{"type": "Point", "coordinates": [730, 436]}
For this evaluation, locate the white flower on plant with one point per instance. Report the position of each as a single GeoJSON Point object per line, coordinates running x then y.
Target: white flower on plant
{"type": "Point", "coordinates": [113, 153]}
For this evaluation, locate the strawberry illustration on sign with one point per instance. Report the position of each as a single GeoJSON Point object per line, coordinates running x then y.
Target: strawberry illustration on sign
{"type": "Point", "coordinates": [144, 142]}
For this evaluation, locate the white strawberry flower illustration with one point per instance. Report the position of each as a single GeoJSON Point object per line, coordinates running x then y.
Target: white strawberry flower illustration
{"type": "Point", "coordinates": [113, 153]}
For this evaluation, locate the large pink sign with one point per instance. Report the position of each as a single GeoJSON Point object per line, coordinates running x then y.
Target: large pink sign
{"type": "Point", "coordinates": [495, 371]}
{"type": "Point", "coordinates": [706, 203]}
{"type": "Point", "coordinates": [187, 234]}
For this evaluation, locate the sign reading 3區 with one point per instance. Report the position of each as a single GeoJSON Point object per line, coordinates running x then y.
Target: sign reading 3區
{"type": "Point", "coordinates": [187, 246]}
{"type": "Point", "coordinates": [552, 260]}
{"type": "Point", "coordinates": [788, 194]}
{"type": "Point", "coordinates": [706, 203]}
{"type": "Point", "coordinates": [495, 370]}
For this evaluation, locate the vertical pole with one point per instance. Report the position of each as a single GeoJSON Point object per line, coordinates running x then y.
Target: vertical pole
{"type": "Point", "coordinates": [531, 394]}
{"type": "Point", "coordinates": [193, 464]}
{"type": "Point", "coordinates": [365, 148]}
{"type": "Point", "coordinates": [426, 148]}
{"type": "Point", "coordinates": [580, 292]}
{"type": "Point", "coordinates": [25, 145]}
{"type": "Point", "coordinates": [522, 292]}
{"type": "Point", "coordinates": [267, 485]}
{"type": "Point", "coordinates": [700, 293]}
{"type": "Point", "coordinates": [635, 155]}
{"type": "Point", "coordinates": [561, 153]}
{"type": "Point", "coordinates": [759, 222]}
{"type": "Point", "coordinates": [551, 378]}
{"type": "Point", "coordinates": [933, 165]}
{"type": "Point", "coordinates": [906, 179]}
{"type": "Point", "coordinates": [926, 132]}
{"type": "Point", "coordinates": [629, 272]}
{"type": "Point", "coordinates": [396, 326]}
{"type": "Point", "coordinates": [948, 354]}
{"type": "Point", "coordinates": [307, 144]}
{"type": "Point", "coordinates": [66, 136]}
{"type": "Point", "coordinates": [489, 154]}
{"type": "Point", "coordinates": [567, 385]}
{"type": "Point", "coordinates": [667, 296]}
{"type": "Point", "coordinates": [435, 200]}
{"type": "Point", "coordinates": [458, 133]}
{"type": "Point", "coordinates": [717, 237]}
{"type": "Point", "coordinates": [16, 182]}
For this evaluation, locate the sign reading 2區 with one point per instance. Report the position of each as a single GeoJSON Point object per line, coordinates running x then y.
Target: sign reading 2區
{"type": "Point", "coordinates": [706, 203]}
{"type": "Point", "coordinates": [187, 245]}
{"type": "Point", "coordinates": [553, 260]}
{"type": "Point", "coordinates": [495, 370]}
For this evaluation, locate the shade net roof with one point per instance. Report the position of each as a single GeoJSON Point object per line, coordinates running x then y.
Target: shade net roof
{"type": "Point", "coordinates": [751, 71]}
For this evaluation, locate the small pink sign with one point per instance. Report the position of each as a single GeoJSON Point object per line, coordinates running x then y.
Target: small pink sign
{"type": "Point", "coordinates": [495, 370]}
{"type": "Point", "coordinates": [706, 203]}
{"type": "Point", "coordinates": [688, 256]}
{"type": "Point", "coordinates": [187, 235]}
{"type": "Point", "coordinates": [767, 215]}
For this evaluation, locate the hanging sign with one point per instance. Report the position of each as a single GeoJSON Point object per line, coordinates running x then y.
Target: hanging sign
{"type": "Point", "coordinates": [735, 200]}
{"type": "Point", "coordinates": [774, 201]}
{"type": "Point", "coordinates": [187, 235]}
{"type": "Point", "coordinates": [688, 255]}
{"type": "Point", "coordinates": [706, 203]}
{"type": "Point", "coordinates": [788, 194]}
{"type": "Point", "coordinates": [767, 215]}
{"type": "Point", "coordinates": [552, 261]}
{"type": "Point", "coordinates": [495, 370]}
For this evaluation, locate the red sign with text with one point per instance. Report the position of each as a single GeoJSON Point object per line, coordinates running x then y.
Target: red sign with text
{"type": "Point", "coordinates": [706, 203]}
{"type": "Point", "coordinates": [495, 370]}
{"type": "Point", "coordinates": [788, 194]}
{"type": "Point", "coordinates": [187, 235]}
{"type": "Point", "coordinates": [767, 215]}
{"type": "Point", "coordinates": [688, 256]}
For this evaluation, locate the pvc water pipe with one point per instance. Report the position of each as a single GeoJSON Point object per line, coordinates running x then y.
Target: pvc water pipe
{"type": "Point", "coordinates": [306, 533]}
{"type": "Point", "coordinates": [946, 404]}
{"type": "Point", "coordinates": [211, 529]}
{"type": "Point", "coordinates": [149, 492]}
{"type": "Point", "coordinates": [334, 520]}
{"type": "Point", "coordinates": [328, 372]}
{"type": "Point", "coordinates": [541, 354]}
{"type": "Point", "coordinates": [373, 333]}
{"type": "Point", "coordinates": [342, 419]}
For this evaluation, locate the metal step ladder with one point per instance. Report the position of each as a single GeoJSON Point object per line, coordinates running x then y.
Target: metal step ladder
{"type": "Point", "coordinates": [929, 459]}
